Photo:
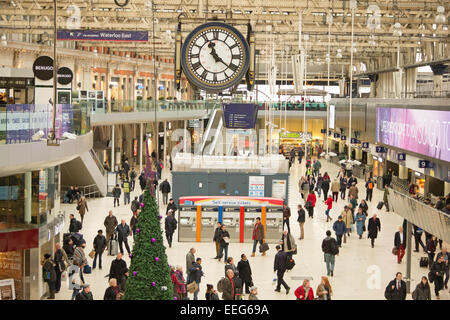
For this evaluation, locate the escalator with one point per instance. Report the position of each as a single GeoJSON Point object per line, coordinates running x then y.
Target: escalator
{"type": "Point", "coordinates": [212, 137]}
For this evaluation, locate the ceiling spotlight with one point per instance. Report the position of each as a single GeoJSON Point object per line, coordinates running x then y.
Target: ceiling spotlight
{"type": "Point", "coordinates": [128, 56]}
{"type": "Point", "coordinates": [354, 49]}
{"type": "Point", "coordinates": [440, 17]}
{"type": "Point", "coordinates": [327, 58]}
{"type": "Point", "coordinates": [339, 53]}
{"type": "Point", "coordinates": [329, 18]}
{"type": "Point", "coordinates": [4, 42]}
{"type": "Point", "coordinates": [95, 52]}
{"type": "Point", "coordinates": [397, 30]}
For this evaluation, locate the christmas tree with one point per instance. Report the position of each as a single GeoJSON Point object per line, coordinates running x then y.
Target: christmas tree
{"type": "Point", "coordinates": [149, 273]}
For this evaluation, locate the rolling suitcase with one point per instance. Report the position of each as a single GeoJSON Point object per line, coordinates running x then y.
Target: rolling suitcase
{"type": "Point", "coordinates": [113, 246]}
{"type": "Point", "coordinates": [380, 205]}
{"type": "Point", "coordinates": [424, 262]}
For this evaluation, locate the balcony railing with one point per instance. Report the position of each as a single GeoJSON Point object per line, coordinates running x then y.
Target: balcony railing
{"type": "Point", "coordinates": [20, 123]}
{"type": "Point", "coordinates": [162, 105]}
{"type": "Point", "coordinates": [292, 106]}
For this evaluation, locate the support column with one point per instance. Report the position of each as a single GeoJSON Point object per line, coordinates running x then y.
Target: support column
{"type": "Point", "coordinates": [408, 256]}
{"type": "Point", "coordinates": [108, 90]}
{"type": "Point", "coordinates": [438, 76]}
{"type": "Point", "coordinates": [113, 151]}
{"type": "Point", "coordinates": [426, 186]}
{"type": "Point", "coordinates": [358, 154]}
{"type": "Point", "coordinates": [184, 138]}
{"type": "Point", "coordinates": [141, 142]}
{"type": "Point", "coordinates": [27, 197]}
{"type": "Point", "coordinates": [369, 159]}
{"type": "Point", "coordinates": [446, 188]}
{"type": "Point", "coordinates": [402, 172]}
{"type": "Point", "coordinates": [165, 143]}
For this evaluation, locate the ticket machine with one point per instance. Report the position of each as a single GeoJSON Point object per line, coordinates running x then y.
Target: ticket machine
{"type": "Point", "coordinates": [251, 213]}
{"type": "Point", "coordinates": [231, 221]}
{"type": "Point", "coordinates": [274, 223]}
{"type": "Point", "coordinates": [209, 222]}
{"type": "Point", "coordinates": [187, 219]}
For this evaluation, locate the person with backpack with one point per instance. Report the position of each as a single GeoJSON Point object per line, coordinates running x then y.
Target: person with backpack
{"type": "Point", "coordinates": [99, 246]}
{"type": "Point", "coordinates": [75, 225]}
{"type": "Point", "coordinates": [126, 192]}
{"type": "Point", "coordinates": [330, 249]}
{"type": "Point", "coordinates": [304, 292]}
{"type": "Point", "coordinates": [61, 263]}
{"type": "Point", "coordinates": [79, 258]}
{"type": "Point", "coordinates": [396, 289]}
{"type": "Point", "coordinates": [116, 192]}
{"type": "Point", "coordinates": [369, 189]}
{"type": "Point", "coordinates": [126, 168]}
{"type": "Point", "coordinates": [49, 275]}
{"type": "Point", "coordinates": [133, 176]}
{"type": "Point", "coordinates": [170, 225]}
{"type": "Point", "coordinates": [279, 266]}
{"type": "Point", "coordinates": [339, 229]}
{"type": "Point", "coordinates": [135, 204]}
{"type": "Point", "coordinates": [286, 216]}
{"type": "Point", "coordinates": [422, 291]}
{"type": "Point", "coordinates": [164, 187]}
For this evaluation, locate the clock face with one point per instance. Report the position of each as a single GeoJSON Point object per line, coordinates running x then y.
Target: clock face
{"type": "Point", "coordinates": [215, 56]}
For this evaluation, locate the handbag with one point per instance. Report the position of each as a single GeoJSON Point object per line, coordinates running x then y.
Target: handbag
{"type": "Point", "coordinates": [78, 207]}
{"type": "Point", "coordinates": [263, 247]}
{"type": "Point", "coordinates": [394, 251]}
{"type": "Point", "coordinates": [92, 254]}
{"type": "Point", "coordinates": [226, 239]}
{"type": "Point", "coordinates": [192, 287]}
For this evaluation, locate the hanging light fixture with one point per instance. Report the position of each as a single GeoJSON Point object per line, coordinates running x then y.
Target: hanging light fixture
{"type": "Point", "coordinates": [339, 53]}
{"type": "Point", "coordinates": [4, 42]}
{"type": "Point", "coordinates": [354, 49]}
{"type": "Point", "coordinates": [372, 41]}
{"type": "Point", "coordinates": [440, 17]}
{"type": "Point", "coordinates": [397, 30]}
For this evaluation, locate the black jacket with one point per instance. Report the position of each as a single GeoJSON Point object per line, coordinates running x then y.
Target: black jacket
{"type": "Point", "coordinates": [439, 268]}
{"type": "Point", "coordinates": [75, 225]}
{"type": "Point", "coordinates": [123, 231]}
{"type": "Point", "coordinates": [373, 227]}
{"type": "Point", "coordinates": [196, 275]}
{"type": "Point", "coordinates": [245, 272]}
{"type": "Point", "coordinates": [398, 242]}
{"type": "Point", "coordinates": [59, 261]}
{"type": "Point", "coordinates": [326, 185]}
{"type": "Point", "coordinates": [116, 192]}
{"type": "Point", "coordinates": [216, 237]}
{"type": "Point", "coordinates": [134, 205]}
{"type": "Point", "coordinates": [142, 181]}
{"type": "Point", "coordinates": [165, 186]}
{"type": "Point", "coordinates": [343, 182]}
{"type": "Point", "coordinates": [280, 261]}
{"type": "Point", "coordinates": [84, 296]}
{"type": "Point", "coordinates": [69, 249]}
{"type": "Point", "coordinates": [171, 206]}
{"type": "Point", "coordinates": [351, 180]}
{"type": "Point", "coordinates": [439, 255]}
{"type": "Point", "coordinates": [118, 270]}
{"type": "Point", "coordinates": [327, 243]}
{"type": "Point", "coordinates": [111, 294]}
{"type": "Point", "coordinates": [222, 235]}
{"type": "Point", "coordinates": [99, 243]}
{"type": "Point", "coordinates": [231, 267]}
{"type": "Point", "coordinates": [301, 215]}
{"type": "Point", "coordinates": [170, 224]}
{"type": "Point", "coordinates": [394, 294]}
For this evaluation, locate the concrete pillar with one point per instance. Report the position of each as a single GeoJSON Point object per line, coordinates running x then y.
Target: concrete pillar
{"type": "Point", "coordinates": [369, 159]}
{"type": "Point", "coordinates": [133, 90]}
{"type": "Point", "coordinates": [185, 132]}
{"type": "Point", "coordinates": [165, 143]}
{"type": "Point", "coordinates": [358, 154]}
{"type": "Point", "coordinates": [426, 186]}
{"type": "Point", "coordinates": [446, 188]}
{"type": "Point", "coordinates": [141, 142]}
{"type": "Point", "coordinates": [27, 197]}
{"type": "Point", "coordinates": [341, 147]}
{"type": "Point", "coordinates": [107, 89]}
{"type": "Point", "coordinates": [113, 146]}
{"type": "Point", "coordinates": [408, 256]}
{"type": "Point", "coordinates": [402, 172]}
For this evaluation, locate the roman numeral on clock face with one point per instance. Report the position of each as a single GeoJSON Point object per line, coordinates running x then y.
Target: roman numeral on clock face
{"type": "Point", "coordinates": [196, 65]}
{"type": "Point", "coordinates": [233, 46]}
{"type": "Point", "coordinates": [236, 56]}
{"type": "Point", "coordinates": [233, 67]}
{"type": "Point", "coordinates": [204, 74]}
{"type": "Point", "coordinates": [215, 77]}
{"type": "Point", "coordinates": [215, 35]}
{"type": "Point", "coordinates": [195, 56]}
{"type": "Point", "coordinates": [205, 37]}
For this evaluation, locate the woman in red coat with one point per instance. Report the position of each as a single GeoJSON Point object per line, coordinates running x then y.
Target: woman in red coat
{"type": "Point", "coordinates": [304, 292]}
{"type": "Point", "coordinates": [311, 203]}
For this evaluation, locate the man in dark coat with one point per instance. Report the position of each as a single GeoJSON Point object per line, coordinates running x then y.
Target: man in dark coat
{"type": "Point", "coordinates": [339, 228]}
{"type": "Point", "coordinates": [437, 273]}
{"type": "Point", "coordinates": [196, 275]}
{"type": "Point", "coordinates": [230, 286]}
{"type": "Point", "coordinates": [119, 271]}
{"type": "Point", "coordinates": [257, 235]}
{"type": "Point", "coordinates": [373, 227]}
{"type": "Point", "coordinates": [49, 275]}
{"type": "Point", "coordinates": [444, 253]}
{"type": "Point", "coordinates": [142, 181]}
{"type": "Point", "coordinates": [171, 206]}
{"type": "Point", "coordinates": [279, 267]}
{"type": "Point", "coordinates": [164, 187]}
{"type": "Point", "coordinates": [110, 224]}
{"type": "Point", "coordinates": [301, 220]}
{"type": "Point", "coordinates": [170, 225]}
{"type": "Point", "coordinates": [60, 259]}
{"type": "Point", "coordinates": [396, 289]}
{"type": "Point", "coordinates": [223, 236]}
{"type": "Point", "coordinates": [99, 246]}
{"type": "Point", "coordinates": [325, 188]}
{"type": "Point", "coordinates": [85, 294]}
{"type": "Point", "coordinates": [133, 176]}
{"type": "Point", "coordinates": [135, 204]}
{"type": "Point", "coordinates": [216, 239]}
{"type": "Point", "coordinates": [301, 153]}
{"type": "Point", "coordinates": [286, 216]}
{"type": "Point", "coordinates": [116, 192]}
{"type": "Point", "coordinates": [400, 243]}
{"type": "Point", "coordinates": [75, 225]}
{"type": "Point", "coordinates": [123, 231]}
{"type": "Point", "coordinates": [245, 273]}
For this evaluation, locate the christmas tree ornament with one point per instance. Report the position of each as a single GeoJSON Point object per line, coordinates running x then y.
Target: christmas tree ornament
{"type": "Point", "coordinates": [156, 259]}
{"type": "Point", "coordinates": [131, 256]}
{"type": "Point", "coordinates": [160, 217]}
{"type": "Point", "coordinates": [175, 298]}
{"type": "Point", "coordinates": [153, 284]}
{"type": "Point", "coordinates": [153, 240]}
{"type": "Point", "coordinates": [138, 230]}
{"type": "Point", "coordinates": [142, 204]}
{"type": "Point", "coordinates": [134, 273]}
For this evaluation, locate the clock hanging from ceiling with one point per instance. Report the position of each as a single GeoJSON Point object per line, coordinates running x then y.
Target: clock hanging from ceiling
{"type": "Point", "coordinates": [215, 56]}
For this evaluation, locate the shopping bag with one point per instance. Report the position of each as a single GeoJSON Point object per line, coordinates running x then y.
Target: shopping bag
{"type": "Point", "coordinates": [92, 254]}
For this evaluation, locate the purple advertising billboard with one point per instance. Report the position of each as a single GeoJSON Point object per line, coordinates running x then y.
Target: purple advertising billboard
{"type": "Point", "coordinates": [425, 132]}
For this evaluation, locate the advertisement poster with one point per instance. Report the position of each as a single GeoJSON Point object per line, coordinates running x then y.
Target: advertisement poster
{"type": "Point", "coordinates": [424, 132]}
{"type": "Point", "coordinates": [240, 115]}
{"type": "Point", "coordinates": [7, 290]}
{"type": "Point", "coordinates": [256, 186]}
{"type": "Point", "coordinates": [279, 189]}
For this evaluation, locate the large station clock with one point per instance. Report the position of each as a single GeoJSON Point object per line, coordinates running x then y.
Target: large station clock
{"type": "Point", "coordinates": [215, 56]}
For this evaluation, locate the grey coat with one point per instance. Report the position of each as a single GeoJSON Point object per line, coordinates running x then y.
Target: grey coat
{"type": "Point", "coordinates": [110, 224]}
{"type": "Point", "coordinates": [190, 258]}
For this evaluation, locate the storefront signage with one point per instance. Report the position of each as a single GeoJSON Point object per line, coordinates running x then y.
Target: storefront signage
{"type": "Point", "coordinates": [256, 186]}
{"type": "Point", "coordinates": [43, 68]}
{"type": "Point", "coordinates": [425, 164]}
{"type": "Point", "coordinates": [7, 289]}
{"type": "Point", "coordinates": [230, 201]}
{"type": "Point", "coordinates": [295, 135]}
{"type": "Point", "coordinates": [380, 149]}
{"type": "Point", "coordinates": [240, 115]}
{"type": "Point", "coordinates": [102, 35]}
{"type": "Point", "coordinates": [194, 124]}
{"type": "Point", "coordinates": [64, 76]}
{"type": "Point", "coordinates": [16, 82]}
{"type": "Point", "coordinates": [336, 135]}
{"type": "Point", "coordinates": [401, 156]}
{"type": "Point", "coordinates": [344, 138]}
{"type": "Point", "coordinates": [323, 131]}
{"type": "Point", "coordinates": [354, 141]}
{"type": "Point", "coordinates": [365, 145]}
{"type": "Point", "coordinates": [425, 132]}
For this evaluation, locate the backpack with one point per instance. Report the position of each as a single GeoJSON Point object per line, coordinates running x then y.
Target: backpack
{"type": "Point", "coordinates": [370, 185]}
{"type": "Point", "coordinates": [221, 284]}
{"type": "Point", "coordinates": [334, 247]}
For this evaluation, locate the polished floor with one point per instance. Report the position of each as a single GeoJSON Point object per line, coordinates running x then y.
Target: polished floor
{"type": "Point", "coordinates": [361, 272]}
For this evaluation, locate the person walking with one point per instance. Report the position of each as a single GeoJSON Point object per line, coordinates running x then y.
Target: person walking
{"type": "Point", "coordinates": [369, 189]}
{"type": "Point", "coordinates": [79, 258]}
{"type": "Point", "coordinates": [196, 275]}
{"type": "Point", "coordinates": [112, 292]}
{"type": "Point", "coordinates": [385, 197]}
{"type": "Point", "coordinates": [119, 271]}
{"type": "Point", "coordinates": [170, 225]}
{"type": "Point", "coordinates": [85, 294]}
{"type": "Point", "coordinates": [69, 248]}
{"type": "Point", "coordinates": [110, 224]}
{"type": "Point", "coordinates": [99, 246]}
{"type": "Point", "coordinates": [329, 203]}
{"type": "Point", "coordinates": [286, 216]}
{"type": "Point", "coordinates": [422, 291]}
{"type": "Point", "coordinates": [330, 248]}
{"type": "Point", "coordinates": [190, 259]}
{"type": "Point", "coordinates": [312, 203]}
{"type": "Point", "coordinates": [216, 239]}
{"type": "Point", "coordinates": [431, 249]}
{"type": "Point", "coordinates": [164, 187]}
{"type": "Point", "coordinates": [279, 267]}
{"type": "Point", "coordinates": [288, 245]}
{"type": "Point", "coordinates": [179, 283]}
{"type": "Point", "coordinates": [335, 187]}
{"type": "Point", "coordinates": [230, 265]}
{"type": "Point", "coordinates": [133, 223]}
{"type": "Point", "coordinates": [82, 207]}
{"type": "Point", "coordinates": [444, 253]}
{"type": "Point", "coordinates": [301, 220]}
{"type": "Point", "coordinates": [230, 286]}
{"type": "Point", "coordinates": [363, 205]}
{"type": "Point", "coordinates": [133, 176]}
{"type": "Point", "coordinates": [437, 274]}
{"type": "Point", "coordinates": [373, 227]}
{"type": "Point", "coordinates": [123, 232]}
{"type": "Point", "coordinates": [400, 244]}
{"type": "Point", "coordinates": [304, 292]}
{"type": "Point", "coordinates": [301, 154]}
{"type": "Point", "coordinates": [142, 181]}
{"type": "Point", "coordinates": [324, 290]}
{"type": "Point", "coordinates": [135, 204]}
{"type": "Point", "coordinates": [347, 217]}
{"type": "Point", "coordinates": [360, 222]}
{"type": "Point", "coordinates": [258, 235]}
{"type": "Point", "coordinates": [126, 192]}
{"type": "Point", "coordinates": [224, 237]}
{"type": "Point", "coordinates": [325, 186]}
{"type": "Point", "coordinates": [116, 192]}
{"type": "Point", "coordinates": [343, 184]}
{"type": "Point", "coordinates": [245, 273]}
{"type": "Point", "coordinates": [49, 275]}
{"type": "Point", "coordinates": [396, 289]}
{"type": "Point", "coordinates": [61, 263]}
{"type": "Point", "coordinates": [339, 229]}
{"type": "Point", "coordinates": [353, 191]}
{"type": "Point", "coordinates": [319, 185]}
{"type": "Point", "coordinates": [418, 238]}
{"type": "Point", "coordinates": [316, 166]}
{"type": "Point", "coordinates": [171, 206]}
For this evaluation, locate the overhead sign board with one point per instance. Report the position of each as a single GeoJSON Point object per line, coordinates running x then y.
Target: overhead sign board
{"type": "Point", "coordinates": [102, 35]}
{"type": "Point", "coordinates": [380, 149]}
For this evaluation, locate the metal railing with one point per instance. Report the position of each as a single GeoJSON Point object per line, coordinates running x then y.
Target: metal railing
{"type": "Point", "coordinates": [89, 191]}
{"type": "Point", "coordinates": [294, 106]}
{"type": "Point", "coordinates": [162, 105]}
